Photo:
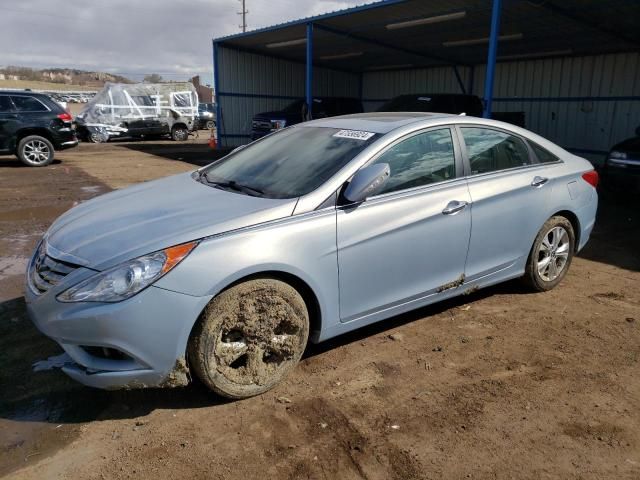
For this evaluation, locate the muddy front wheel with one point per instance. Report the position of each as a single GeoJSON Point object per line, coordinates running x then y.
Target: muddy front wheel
{"type": "Point", "coordinates": [249, 338]}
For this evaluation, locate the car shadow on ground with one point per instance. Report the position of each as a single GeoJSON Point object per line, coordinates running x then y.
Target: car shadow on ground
{"type": "Point", "coordinates": [13, 162]}
{"type": "Point", "coordinates": [199, 154]}
{"type": "Point", "coordinates": [615, 239]}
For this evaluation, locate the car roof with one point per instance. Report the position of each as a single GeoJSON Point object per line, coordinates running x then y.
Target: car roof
{"type": "Point", "coordinates": [22, 93]}
{"type": "Point", "coordinates": [434, 95]}
{"type": "Point", "coordinates": [376, 122]}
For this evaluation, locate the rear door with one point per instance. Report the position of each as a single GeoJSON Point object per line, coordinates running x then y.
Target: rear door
{"type": "Point", "coordinates": [509, 192]}
{"type": "Point", "coordinates": [410, 241]}
{"type": "Point", "coordinates": [31, 111]}
{"type": "Point", "coordinates": [9, 123]}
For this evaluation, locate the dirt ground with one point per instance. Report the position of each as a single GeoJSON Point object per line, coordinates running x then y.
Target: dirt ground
{"type": "Point", "coordinates": [503, 383]}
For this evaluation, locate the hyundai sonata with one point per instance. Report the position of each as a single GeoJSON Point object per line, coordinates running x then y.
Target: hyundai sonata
{"type": "Point", "coordinates": [225, 273]}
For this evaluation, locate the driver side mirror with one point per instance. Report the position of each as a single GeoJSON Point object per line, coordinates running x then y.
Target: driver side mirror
{"type": "Point", "coordinates": [367, 182]}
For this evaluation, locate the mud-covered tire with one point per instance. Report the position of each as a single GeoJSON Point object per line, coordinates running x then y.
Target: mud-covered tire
{"type": "Point", "coordinates": [249, 338]}
{"type": "Point", "coordinates": [555, 245]}
{"type": "Point", "coordinates": [179, 134]}
{"type": "Point", "coordinates": [35, 151]}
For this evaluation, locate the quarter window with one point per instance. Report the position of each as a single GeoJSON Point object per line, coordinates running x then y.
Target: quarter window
{"type": "Point", "coordinates": [5, 104]}
{"type": "Point", "coordinates": [490, 150]}
{"type": "Point", "coordinates": [543, 155]}
{"type": "Point", "coordinates": [28, 104]}
{"type": "Point", "coordinates": [420, 160]}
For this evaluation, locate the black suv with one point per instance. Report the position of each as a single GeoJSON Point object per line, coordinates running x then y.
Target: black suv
{"type": "Point", "coordinates": [33, 126]}
{"type": "Point", "coordinates": [296, 112]}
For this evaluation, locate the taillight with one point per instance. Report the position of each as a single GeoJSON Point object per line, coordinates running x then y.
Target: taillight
{"type": "Point", "coordinates": [591, 178]}
{"type": "Point", "coordinates": [65, 117]}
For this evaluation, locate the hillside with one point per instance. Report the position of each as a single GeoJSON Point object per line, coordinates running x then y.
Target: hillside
{"type": "Point", "coordinates": [67, 78]}
{"type": "Point", "coordinates": [38, 85]}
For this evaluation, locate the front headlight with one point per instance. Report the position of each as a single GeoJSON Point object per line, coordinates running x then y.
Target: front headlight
{"type": "Point", "coordinates": [127, 279]}
{"type": "Point", "coordinates": [278, 124]}
{"type": "Point", "coordinates": [618, 155]}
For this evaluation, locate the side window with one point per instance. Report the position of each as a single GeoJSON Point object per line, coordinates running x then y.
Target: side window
{"type": "Point", "coordinates": [543, 155]}
{"type": "Point", "coordinates": [5, 104]}
{"type": "Point", "coordinates": [490, 150]}
{"type": "Point", "coordinates": [29, 104]}
{"type": "Point", "coordinates": [420, 160]}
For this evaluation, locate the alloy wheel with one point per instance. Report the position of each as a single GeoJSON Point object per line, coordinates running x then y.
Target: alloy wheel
{"type": "Point", "coordinates": [36, 152]}
{"type": "Point", "coordinates": [553, 253]}
{"type": "Point", "coordinates": [251, 350]}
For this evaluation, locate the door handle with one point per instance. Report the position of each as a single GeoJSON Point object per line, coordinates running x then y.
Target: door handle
{"type": "Point", "coordinates": [539, 181]}
{"type": "Point", "coordinates": [454, 207]}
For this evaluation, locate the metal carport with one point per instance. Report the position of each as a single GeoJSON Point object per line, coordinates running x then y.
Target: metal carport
{"type": "Point", "coordinates": [572, 66]}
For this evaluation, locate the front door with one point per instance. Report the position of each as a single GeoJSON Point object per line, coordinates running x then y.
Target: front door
{"type": "Point", "coordinates": [410, 241]}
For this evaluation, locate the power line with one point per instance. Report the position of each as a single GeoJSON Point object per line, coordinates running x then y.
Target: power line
{"type": "Point", "coordinates": [244, 16]}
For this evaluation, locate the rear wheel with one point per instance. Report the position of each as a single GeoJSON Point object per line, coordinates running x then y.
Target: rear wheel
{"type": "Point", "coordinates": [551, 254]}
{"type": "Point", "coordinates": [249, 338]}
{"type": "Point", "coordinates": [35, 151]}
{"type": "Point", "coordinates": [210, 124]}
{"type": "Point", "coordinates": [179, 133]}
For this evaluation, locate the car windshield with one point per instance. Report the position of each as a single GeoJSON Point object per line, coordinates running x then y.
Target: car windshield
{"type": "Point", "coordinates": [289, 163]}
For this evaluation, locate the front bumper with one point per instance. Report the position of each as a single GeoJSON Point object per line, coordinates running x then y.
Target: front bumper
{"type": "Point", "coordinates": [148, 332]}
{"type": "Point", "coordinates": [623, 173]}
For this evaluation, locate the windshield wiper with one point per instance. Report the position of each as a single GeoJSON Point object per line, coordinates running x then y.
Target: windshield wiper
{"type": "Point", "coordinates": [233, 185]}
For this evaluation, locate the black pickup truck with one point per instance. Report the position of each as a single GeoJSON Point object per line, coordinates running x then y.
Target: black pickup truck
{"type": "Point", "coordinates": [296, 112]}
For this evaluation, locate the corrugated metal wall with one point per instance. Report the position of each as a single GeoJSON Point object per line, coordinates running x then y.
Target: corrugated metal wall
{"type": "Point", "coordinates": [251, 83]}
{"type": "Point", "coordinates": [377, 87]}
{"type": "Point", "coordinates": [585, 104]}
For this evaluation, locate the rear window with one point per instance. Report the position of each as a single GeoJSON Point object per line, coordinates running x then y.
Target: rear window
{"type": "Point", "coordinates": [543, 155]}
{"type": "Point", "coordinates": [5, 104]}
{"type": "Point", "coordinates": [29, 104]}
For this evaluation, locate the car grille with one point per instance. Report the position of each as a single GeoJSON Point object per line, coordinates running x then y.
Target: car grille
{"type": "Point", "coordinates": [261, 125]}
{"type": "Point", "coordinates": [47, 272]}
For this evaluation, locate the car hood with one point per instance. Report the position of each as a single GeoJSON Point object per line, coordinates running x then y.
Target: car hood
{"type": "Point", "coordinates": [289, 116]}
{"type": "Point", "coordinates": [630, 146]}
{"type": "Point", "coordinates": [151, 216]}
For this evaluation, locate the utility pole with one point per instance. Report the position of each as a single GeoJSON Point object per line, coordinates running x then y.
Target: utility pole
{"type": "Point", "coordinates": [244, 16]}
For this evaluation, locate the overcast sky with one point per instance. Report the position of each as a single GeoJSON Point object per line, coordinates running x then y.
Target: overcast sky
{"type": "Point", "coordinates": [135, 37]}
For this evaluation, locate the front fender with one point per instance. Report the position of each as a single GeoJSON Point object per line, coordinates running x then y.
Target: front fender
{"type": "Point", "coordinates": [303, 246]}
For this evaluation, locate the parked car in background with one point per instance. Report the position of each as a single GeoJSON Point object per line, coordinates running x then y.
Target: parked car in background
{"type": "Point", "coordinates": [140, 110]}
{"type": "Point", "coordinates": [455, 103]}
{"type": "Point", "coordinates": [226, 272]}
{"type": "Point", "coordinates": [296, 112]}
{"type": "Point", "coordinates": [206, 115]}
{"type": "Point", "coordinates": [622, 164]}
{"type": "Point", "coordinates": [435, 102]}
{"type": "Point", "coordinates": [33, 127]}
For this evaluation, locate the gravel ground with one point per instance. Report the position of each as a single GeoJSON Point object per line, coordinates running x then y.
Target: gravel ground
{"type": "Point", "coordinates": [502, 383]}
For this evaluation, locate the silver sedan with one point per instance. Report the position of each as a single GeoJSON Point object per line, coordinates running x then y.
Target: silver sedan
{"type": "Point", "coordinates": [315, 230]}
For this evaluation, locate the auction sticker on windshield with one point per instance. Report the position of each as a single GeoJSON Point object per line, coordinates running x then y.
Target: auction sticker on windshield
{"type": "Point", "coordinates": [354, 134]}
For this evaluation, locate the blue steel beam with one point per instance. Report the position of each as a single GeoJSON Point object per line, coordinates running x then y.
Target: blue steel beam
{"type": "Point", "coordinates": [309, 85]}
{"type": "Point", "coordinates": [216, 89]}
{"type": "Point", "coordinates": [491, 58]}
